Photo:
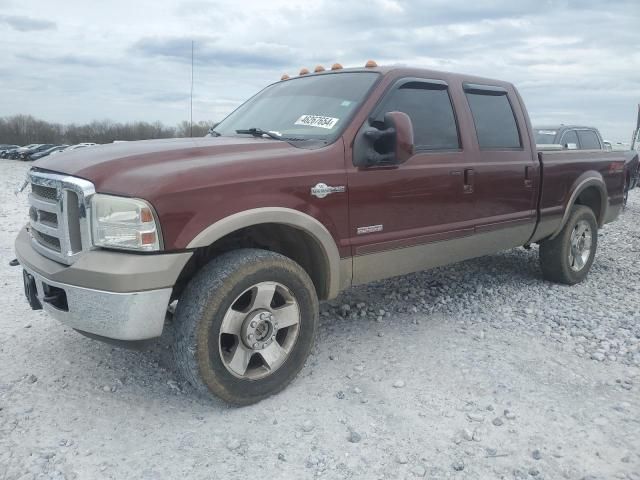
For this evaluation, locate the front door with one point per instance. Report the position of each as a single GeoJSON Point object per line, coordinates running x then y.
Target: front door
{"type": "Point", "coordinates": [429, 198]}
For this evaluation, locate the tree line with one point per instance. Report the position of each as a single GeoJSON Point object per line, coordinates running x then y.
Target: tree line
{"type": "Point", "coordinates": [25, 129]}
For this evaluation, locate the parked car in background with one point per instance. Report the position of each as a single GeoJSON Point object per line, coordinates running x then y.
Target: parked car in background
{"type": "Point", "coordinates": [570, 137]}
{"type": "Point", "coordinates": [6, 147]}
{"type": "Point", "coordinates": [26, 154]}
{"type": "Point", "coordinates": [48, 151]}
{"type": "Point", "coordinates": [15, 153]}
{"type": "Point", "coordinates": [7, 151]}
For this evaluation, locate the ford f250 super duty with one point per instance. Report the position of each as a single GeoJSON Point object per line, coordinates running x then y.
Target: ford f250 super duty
{"type": "Point", "coordinates": [317, 183]}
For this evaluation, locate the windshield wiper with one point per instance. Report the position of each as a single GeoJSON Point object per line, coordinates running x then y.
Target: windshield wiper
{"type": "Point", "coordinates": [258, 132]}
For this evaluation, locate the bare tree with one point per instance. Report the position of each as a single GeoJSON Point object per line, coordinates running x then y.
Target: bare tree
{"type": "Point", "coordinates": [25, 129]}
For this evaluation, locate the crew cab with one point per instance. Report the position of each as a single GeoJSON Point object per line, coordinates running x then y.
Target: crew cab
{"type": "Point", "coordinates": [319, 182]}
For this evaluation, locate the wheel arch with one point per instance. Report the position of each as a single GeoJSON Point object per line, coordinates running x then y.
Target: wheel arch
{"type": "Point", "coordinates": [290, 232]}
{"type": "Point", "coordinates": [589, 190]}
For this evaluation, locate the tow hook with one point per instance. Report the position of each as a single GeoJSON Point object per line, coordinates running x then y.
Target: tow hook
{"type": "Point", "coordinates": [14, 263]}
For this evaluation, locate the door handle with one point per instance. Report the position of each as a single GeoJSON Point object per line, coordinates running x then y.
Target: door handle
{"type": "Point", "coordinates": [469, 176]}
{"type": "Point", "coordinates": [528, 176]}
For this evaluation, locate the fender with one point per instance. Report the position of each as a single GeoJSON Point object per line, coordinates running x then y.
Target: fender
{"type": "Point", "coordinates": [584, 181]}
{"type": "Point", "coordinates": [283, 216]}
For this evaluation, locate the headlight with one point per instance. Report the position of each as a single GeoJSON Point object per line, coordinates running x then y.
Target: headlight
{"type": "Point", "coordinates": [124, 223]}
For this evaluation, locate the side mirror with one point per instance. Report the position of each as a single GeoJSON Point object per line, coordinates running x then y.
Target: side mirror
{"type": "Point", "coordinates": [392, 144]}
{"type": "Point", "coordinates": [571, 146]}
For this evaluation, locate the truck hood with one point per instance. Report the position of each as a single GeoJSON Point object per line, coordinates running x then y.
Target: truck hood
{"type": "Point", "coordinates": [143, 168]}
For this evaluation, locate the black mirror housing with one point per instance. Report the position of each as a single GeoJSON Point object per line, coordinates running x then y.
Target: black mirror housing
{"type": "Point", "coordinates": [391, 144]}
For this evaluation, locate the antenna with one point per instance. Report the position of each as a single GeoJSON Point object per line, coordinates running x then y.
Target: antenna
{"type": "Point", "coordinates": [191, 107]}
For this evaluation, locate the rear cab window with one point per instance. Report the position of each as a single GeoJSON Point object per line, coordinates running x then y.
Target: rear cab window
{"type": "Point", "coordinates": [545, 136]}
{"type": "Point", "coordinates": [493, 116]}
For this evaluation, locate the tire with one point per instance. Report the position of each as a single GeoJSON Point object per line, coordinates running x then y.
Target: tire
{"type": "Point", "coordinates": [556, 253]}
{"type": "Point", "coordinates": [228, 294]}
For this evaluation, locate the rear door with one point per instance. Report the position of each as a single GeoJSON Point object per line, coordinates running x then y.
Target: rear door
{"type": "Point", "coordinates": [506, 172]}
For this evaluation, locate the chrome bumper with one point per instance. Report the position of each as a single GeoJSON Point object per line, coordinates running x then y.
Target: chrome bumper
{"type": "Point", "coordinates": [121, 316]}
{"type": "Point", "coordinates": [111, 294]}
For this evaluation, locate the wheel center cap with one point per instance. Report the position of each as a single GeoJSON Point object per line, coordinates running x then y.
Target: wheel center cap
{"type": "Point", "coordinates": [259, 329]}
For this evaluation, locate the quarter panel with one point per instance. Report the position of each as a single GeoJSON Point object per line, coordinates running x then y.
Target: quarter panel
{"type": "Point", "coordinates": [566, 171]}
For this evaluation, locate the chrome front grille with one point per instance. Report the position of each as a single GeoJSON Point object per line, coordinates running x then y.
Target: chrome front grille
{"type": "Point", "coordinates": [59, 215]}
{"type": "Point", "coordinates": [45, 193]}
{"type": "Point", "coordinates": [48, 241]}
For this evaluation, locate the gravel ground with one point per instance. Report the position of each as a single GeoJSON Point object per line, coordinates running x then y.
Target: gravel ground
{"type": "Point", "coordinates": [478, 370]}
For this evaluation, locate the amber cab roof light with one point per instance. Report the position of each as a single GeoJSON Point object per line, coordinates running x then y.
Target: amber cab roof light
{"type": "Point", "coordinates": [320, 68]}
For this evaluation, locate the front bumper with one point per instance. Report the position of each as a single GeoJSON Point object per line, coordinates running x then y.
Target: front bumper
{"type": "Point", "coordinates": [104, 291]}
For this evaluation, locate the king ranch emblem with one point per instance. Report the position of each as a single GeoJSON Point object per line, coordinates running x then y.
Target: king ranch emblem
{"type": "Point", "coordinates": [321, 190]}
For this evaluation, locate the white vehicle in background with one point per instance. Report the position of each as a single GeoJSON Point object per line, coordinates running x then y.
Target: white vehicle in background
{"type": "Point", "coordinates": [616, 146]}
{"type": "Point", "coordinates": [80, 145]}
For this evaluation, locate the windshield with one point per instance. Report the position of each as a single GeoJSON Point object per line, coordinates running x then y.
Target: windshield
{"type": "Point", "coordinates": [545, 137]}
{"type": "Point", "coordinates": [317, 107]}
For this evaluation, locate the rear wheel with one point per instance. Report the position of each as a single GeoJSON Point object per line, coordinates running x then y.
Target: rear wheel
{"type": "Point", "coordinates": [568, 257]}
{"type": "Point", "coordinates": [245, 325]}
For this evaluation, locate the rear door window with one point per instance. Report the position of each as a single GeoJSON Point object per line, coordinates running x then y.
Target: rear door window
{"type": "Point", "coordinates": [495, 122]}
{"type": "Point", "coordinates": [588, 140]}
{"type": "Point", "coordinates": [570, 137]}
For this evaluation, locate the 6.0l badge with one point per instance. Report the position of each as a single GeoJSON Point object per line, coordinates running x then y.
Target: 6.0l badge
{"type": "Point", "coordinates": [321, 190]}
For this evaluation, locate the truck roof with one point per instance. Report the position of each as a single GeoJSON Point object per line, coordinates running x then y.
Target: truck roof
{"type": "Point", "coordinates": [409, 71]}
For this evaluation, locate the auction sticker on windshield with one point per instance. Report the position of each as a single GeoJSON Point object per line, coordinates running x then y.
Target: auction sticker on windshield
{"type": "Point", "coordinates": [317, 121]}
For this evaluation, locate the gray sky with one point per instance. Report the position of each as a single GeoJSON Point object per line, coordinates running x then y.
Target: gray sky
{"type": "Point", "coordinates": [75, 61]}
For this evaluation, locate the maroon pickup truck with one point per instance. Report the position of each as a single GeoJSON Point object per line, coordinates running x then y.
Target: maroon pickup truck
{"type": "Point", "coordinates": [317, 183]}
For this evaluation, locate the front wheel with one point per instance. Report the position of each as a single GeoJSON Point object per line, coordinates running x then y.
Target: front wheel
{"type": "Point", "coordinates": [245, 325]}
{"type": "Point", "coordinates": [568, 257]}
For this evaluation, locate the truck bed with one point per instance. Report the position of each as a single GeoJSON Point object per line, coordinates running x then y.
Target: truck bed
{"type": "Point", "coordinates": [565, 173]}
